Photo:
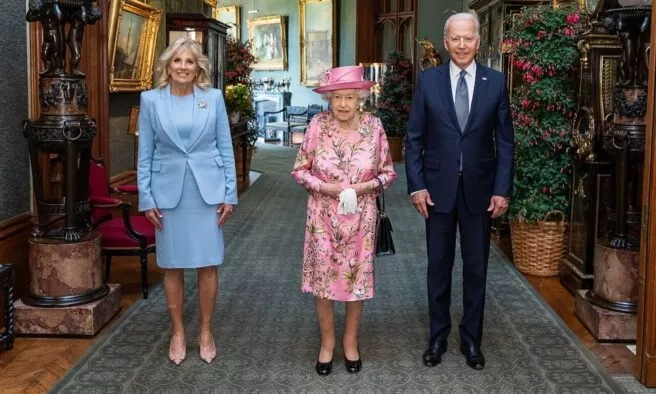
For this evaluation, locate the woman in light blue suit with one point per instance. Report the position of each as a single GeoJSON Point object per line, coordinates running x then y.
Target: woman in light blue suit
{"type": "Point", "coordinates": [187, 182]}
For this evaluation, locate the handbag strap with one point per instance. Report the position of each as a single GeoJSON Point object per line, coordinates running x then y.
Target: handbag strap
{"type": "Point", "coordinates": [381, 194]}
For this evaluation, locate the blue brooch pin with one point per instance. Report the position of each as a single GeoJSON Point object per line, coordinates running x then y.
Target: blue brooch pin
{"type": "Point", "coordinates": [202, 104]}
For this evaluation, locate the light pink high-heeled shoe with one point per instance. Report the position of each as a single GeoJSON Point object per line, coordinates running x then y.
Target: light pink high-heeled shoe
{"type": "Point", "coordinates": [177, 355]}
{"type": "Point", "coordinates": [207, 353]}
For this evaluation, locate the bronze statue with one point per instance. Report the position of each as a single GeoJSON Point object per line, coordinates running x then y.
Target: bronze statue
{"type": "Point", "coordinates": [632, 28]}
{"type": "Point", "coordinates": [52, 48]}
{"type": "Point", "coordinates": [86, 14]}
{"type": "Point", "coordinates": [54, 15]}
{"type": "Point", "coordinates": [63, 128]}
{"type": "Point", "coordinates": [431, 57]}
{"type": "Point", "coordinates": [625, 140]}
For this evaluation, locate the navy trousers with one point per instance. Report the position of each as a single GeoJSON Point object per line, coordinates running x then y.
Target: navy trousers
{"type": "Point", "coordinates": [475, 249]}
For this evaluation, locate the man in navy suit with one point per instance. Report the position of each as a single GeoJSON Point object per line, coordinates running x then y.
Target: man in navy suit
{"type": "Point", "coordinates": [459, 165]}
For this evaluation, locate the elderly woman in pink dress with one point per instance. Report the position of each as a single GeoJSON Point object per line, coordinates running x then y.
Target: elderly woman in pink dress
{"type": "Point", "coordinates": [343, 162]}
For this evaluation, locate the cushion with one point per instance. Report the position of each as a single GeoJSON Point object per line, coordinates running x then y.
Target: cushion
{"type": "Point", "coordinates": [127, 189]}
{"type": "Point", "coordinates": [104, 202]}
{"type": "Point", "coordinates": [115, 235]}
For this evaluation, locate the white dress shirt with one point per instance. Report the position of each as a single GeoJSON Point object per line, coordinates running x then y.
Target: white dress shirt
{"type": "Point", "coordinates": [470, 78]}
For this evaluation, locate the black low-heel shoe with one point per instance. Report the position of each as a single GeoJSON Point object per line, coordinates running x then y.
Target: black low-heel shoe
{"type": "Point", "coordinates": [324, 369]}
{"type": "Point", "coordinates": [352, 366]}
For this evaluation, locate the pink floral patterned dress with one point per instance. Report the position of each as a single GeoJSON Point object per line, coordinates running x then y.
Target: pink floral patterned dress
{"type": "Point", "coordinates": [338, 257]}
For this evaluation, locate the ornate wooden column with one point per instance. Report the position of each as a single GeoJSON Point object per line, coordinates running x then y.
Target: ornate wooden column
{"type": "Point", "coordinates": [66, 292]}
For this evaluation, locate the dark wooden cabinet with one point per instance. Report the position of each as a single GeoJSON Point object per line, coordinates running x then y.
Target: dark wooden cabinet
{"type": "Point", "coordinates": [495, 17]}
{"type": "Point", "coordinates": [591, 166]}
{"type": "Point", "coordinates": [209, 32]}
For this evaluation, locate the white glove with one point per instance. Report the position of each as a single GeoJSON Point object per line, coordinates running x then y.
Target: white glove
{"type": "Point", "coordinates": [348, 202]}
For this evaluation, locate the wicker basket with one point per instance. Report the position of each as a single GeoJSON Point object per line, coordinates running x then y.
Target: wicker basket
{"type": "Point", "coordinates": [538, 248]}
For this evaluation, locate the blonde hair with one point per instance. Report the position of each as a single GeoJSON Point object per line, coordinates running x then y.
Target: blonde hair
{"type": "Point", "coordinates": [163, 73]}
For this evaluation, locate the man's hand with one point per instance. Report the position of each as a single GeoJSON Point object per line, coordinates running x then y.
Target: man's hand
{"type": "Point", "coordinates": [498, 206]}
{"type": "Point", "coordinates": [420, 200]}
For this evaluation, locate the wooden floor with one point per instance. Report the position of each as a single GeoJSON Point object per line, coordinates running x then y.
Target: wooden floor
{"type": "Point", "coordinates": [36, 364]}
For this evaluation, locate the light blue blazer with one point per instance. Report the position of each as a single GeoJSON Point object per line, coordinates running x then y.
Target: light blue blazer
{"type": "Point", "coordinates": [163, 158]}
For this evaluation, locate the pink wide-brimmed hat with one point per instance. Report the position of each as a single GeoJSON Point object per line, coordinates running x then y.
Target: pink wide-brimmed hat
{"type": "Point", "coordinates": [346, 77]}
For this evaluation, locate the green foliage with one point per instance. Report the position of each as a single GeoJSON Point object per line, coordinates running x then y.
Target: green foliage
{"type": "Point", "coordinates": [239, 88]}
{"type": "Point", "coordinates": [395, 98]}
{"type": "Point", "coordinates": [542, 44]}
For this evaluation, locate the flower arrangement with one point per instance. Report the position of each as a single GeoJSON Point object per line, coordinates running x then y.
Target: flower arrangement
{"type": "Point", "coordinates": [239, 98]}
{"type": "Point", "coordinates": [544, 55]}
{"type": "Point", "coordinates": [395, 97]}
{"type": "Point", "coordinates": [239, 62]}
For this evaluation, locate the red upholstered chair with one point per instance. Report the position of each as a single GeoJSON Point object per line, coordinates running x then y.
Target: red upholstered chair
{"type": "Point", "coordinates": [128, 235]}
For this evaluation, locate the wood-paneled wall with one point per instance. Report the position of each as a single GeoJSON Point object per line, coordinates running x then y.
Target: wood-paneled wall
{"type": "Point", "coordinates": [14, 233]}
{"type": "Point", "coordinates": [365, 49]}
{"type": "Point", "coordinates": [645, 370]}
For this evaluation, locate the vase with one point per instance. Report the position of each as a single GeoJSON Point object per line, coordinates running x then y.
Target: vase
{"type": "Point", "coordinates": [234, 117]}
{"type": "Point", "coordinates": [396, 148]}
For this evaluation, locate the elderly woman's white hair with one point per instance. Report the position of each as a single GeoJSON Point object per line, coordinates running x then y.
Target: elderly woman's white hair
{"type": "Point", "coordinates": [363, 94]}
{"type": "Point", "coordinates": [163, 73]}
{"type": "Point", "coordinates": [463, 16]}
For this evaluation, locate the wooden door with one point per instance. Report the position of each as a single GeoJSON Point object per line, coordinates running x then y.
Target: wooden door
{"type": "Point", "coordinates": [645, 370]}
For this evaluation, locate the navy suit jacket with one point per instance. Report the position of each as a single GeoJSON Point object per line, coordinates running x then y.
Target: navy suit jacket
{"type": "Point", "coordinates": [163, 158]}
{"type": "Point", "coordinates": [434, 142]}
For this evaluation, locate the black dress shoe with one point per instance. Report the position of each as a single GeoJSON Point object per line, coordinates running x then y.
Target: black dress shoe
{"type": "Point", "coordinates": [324, 369]}
{"type": "Point", "coordinates": [433, 355]}
{"type": "Point", "coordinates": [352, 366]}
{"type": "Point", "coordinates": [475, 358]}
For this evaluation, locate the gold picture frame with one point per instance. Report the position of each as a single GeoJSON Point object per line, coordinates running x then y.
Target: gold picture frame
{"type": "Point", "coordinates": [133, 29]}
{"type": "Point", "coordinates": [317, 40]}
{"type": "Point", "coordinates": [231, 16]}
{"type": "Point", "coordinates": [269, 37]}
{"type": "Point", "coordinates": [211, 3]}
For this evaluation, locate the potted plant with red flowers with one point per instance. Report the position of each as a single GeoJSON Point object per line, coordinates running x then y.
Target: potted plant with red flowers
{"type": "Point", "coordinates": [394, 101]}
{"type": "Point", "coordinates": [239, 95]}
{"type": "Point", "coordinates": [542, 45]}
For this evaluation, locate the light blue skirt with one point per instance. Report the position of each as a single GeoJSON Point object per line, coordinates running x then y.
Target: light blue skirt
{"type": "Point", "coordinates": [190, 235]}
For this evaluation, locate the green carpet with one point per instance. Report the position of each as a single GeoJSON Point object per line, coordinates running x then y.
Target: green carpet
{"type": "Point", "coordinates": [268, 339]}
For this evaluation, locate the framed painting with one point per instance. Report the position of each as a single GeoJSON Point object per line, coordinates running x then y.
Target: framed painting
{"type": "Point", "coordinates": [317, 20]}
{"type": "Point", "coordinates": [231, 16]}
{"type": "Point", "coordinates": [133, 29]}
{"type": "Point", "coordinates": [269, 37]}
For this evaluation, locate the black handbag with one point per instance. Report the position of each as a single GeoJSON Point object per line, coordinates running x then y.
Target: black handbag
{"type": "Point", "coordinates": [384, 241]}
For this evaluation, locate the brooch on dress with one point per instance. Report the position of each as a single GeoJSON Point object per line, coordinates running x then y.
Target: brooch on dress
{"type": "Point", "coordinates": [202, 104]}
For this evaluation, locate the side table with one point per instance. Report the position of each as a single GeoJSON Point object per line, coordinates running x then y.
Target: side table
{"type": "Point", "coordinates": [7, 285]}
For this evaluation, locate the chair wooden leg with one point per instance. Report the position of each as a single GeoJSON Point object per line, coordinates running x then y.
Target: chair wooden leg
{"type": "Point", "coordinates": [144, 274]}
{"type": "Point", "coordinates": [108, 263]}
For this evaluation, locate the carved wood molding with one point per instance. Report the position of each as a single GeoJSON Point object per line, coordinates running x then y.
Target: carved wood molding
{"type": "Point", "coordinates": [645, 370]}
{"type": "Point", "coordinates": [123, 178]}
{"type": "Point", "coordinates": [14, 225]}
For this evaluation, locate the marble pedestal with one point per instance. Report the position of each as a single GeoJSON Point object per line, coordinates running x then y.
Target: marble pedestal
{"type": "Point", "coordinates": [604, 324]}
{"type": "Point", "coordinates": [82, 320]}
{"type": "Point", "coordinates": [65, 273]}
{"type": "Point", "coordinates": [608, 310]}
